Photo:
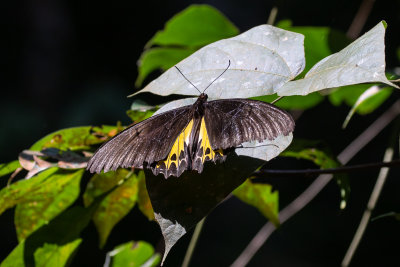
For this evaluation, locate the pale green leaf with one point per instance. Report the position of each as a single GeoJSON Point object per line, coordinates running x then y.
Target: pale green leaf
{"type": "Point", "coordinates": [76, 138]}
{"type": "Point", "coordinates": [7, 168]}
{"type": "Point", "coordinates": [133, 254]}
{"type": "Point", "coordinates": [363, 61]}
{"type": "Point", "coordinates": [57, 193]}
{"type": "Point", "coordinates": [52, 255]}
{"type": "Point", "coordinates": [262, 60]}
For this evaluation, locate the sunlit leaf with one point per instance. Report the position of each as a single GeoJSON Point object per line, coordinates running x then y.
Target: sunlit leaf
{"type": "Point", "coordinates": [7, 168]}
{"type": "Point", "coordinates": [15, 258]}
{"type": "Point", "coordinates": [22, 190]}
{"type": "Point", "coordinates": [114, 207]}
{"type": "Point", "coordinates": [197, 25]}
{"type": "Point", "coordinates": [261, 197]}
{"type": "Point", "coordinates": [55, 194]}
{"type": "Point", "coordinates": [368, 101]}
{"type": "Point", "coordinates": [63, 229]}
{"type": "Point", "coordinates": [52, 255]}
{"type": "Point", "coordinates": [133, 254]}
{"type": "Point", "coordinates": [262, 60]}
{"type": "Point", "coordinates": [103, 182]}
{"type": "Point", "coordinates": [362, 61]}
{"type": "Point", "coordinates": [76, 138]}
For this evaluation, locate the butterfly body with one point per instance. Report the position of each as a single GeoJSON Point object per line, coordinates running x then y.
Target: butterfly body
{"type": "Point", "coordinates": [185, 138]}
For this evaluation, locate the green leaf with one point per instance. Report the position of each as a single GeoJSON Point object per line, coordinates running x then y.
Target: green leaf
{"type": "Point", "coordinates": [144, 202]}
{"type": "Point", "coordinates": [115, 206]}
{"type": "Point", "coordinates": [51, 255]}
{"type": "Point", "coordinates": [76, 138]}
{"type": "Point", "coordinates": [137, 116]}
{"type": "Point", "coordinates": [63, 229]}
{"type": "Point", "coordinates": [6, 168]}
{"type": "Point", "coordinates": [160, 58]}
{"type": "Point", "coordinates": [313, 151]}
{"type": "Point", "coordinates": [55, 194]}
{"type": "Point", "coordinates": [368, 101]}
{"type": "Point", "coordinates": [133, 254]}
{"type": "Point", "coordinates": [197, 25]}
{"type": "Point", "coordinates": [294, 102]}
{"type": "Point", "coordinates": [347, 94]}
{"type": "Point", "coordinates": [183, 34]}
{"type": "Point", "coordinates": [319, 42]}
{"type": "Point", "coordinates": [261, 197]}
{"type": "Point", "coordinates": [374, 101]}
{"type": "Point", "coordinates": [102, 183]}
{"type": "Point", "coordinates": [15, 258]}
{"type": "Point", "coordinates": [23, 190]}
{"type": "Point", "coordinates": [123, 189]}
{"type": "Point", "coordinates": [320, 155]}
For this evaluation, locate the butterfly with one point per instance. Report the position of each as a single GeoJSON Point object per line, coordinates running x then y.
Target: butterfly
{"type": "Point", "coordinates": [185, 138]}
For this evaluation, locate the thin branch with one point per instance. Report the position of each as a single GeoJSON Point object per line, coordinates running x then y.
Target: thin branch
{"type": "Point", "coordinates": [272, 16]}
{"type": "Point", "coordinates": [193, 242]}
{"type": "Point", "coordinates": [359, 19]}
{"type": "Point", "coordinates": [371, 203]}
{"type": "Point", "coordinates": [311, 172]}
{"type": "Point", "coordinates": [303, 199]}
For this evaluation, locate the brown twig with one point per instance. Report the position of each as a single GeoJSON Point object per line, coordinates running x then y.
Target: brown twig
{"type": "Point", "coordinates": [359, 19]}
{"type": "Point", "coordinates": [372, 202]}
{"type": "Point", "coordinates": [312, 172]}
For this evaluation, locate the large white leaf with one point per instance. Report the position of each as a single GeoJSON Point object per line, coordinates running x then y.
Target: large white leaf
{"type": "Point", "coordinates": [362, 61]}
{"type": "Point", "coordinates": [262, 60]}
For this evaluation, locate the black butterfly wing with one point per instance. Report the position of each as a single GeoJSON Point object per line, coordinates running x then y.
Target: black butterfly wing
{"type": "Point", "coordinates": [231, 122]}
{"type": "Point", "coordinates": [148, 141]}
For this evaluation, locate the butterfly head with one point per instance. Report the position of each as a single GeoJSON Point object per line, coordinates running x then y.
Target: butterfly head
{"type": "Point", "coordinates": [203, 97]}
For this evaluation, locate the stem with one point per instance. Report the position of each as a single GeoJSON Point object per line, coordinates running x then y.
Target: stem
{"type": "Point", "coordinates": [193, 242]}
{"type": "Point", "coordinates": [272, 16]}
{"type": "Point", "coordinates": [359, 19]}
{"type": "Point", "coordinates": [308, 172]}
{"type": "Point", "coordinates": [303, 199]}
{"type": "Point", "coordinates": [371, 204]}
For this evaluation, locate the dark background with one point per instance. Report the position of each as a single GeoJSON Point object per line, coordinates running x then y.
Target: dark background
{"type": "Point", "coordinates": [72, 63]}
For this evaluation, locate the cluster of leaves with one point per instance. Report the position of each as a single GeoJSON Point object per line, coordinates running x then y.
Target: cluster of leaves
{"type": "Point", "coordinates": [47, 222]}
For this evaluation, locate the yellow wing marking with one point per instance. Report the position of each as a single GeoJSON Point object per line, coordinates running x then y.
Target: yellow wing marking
{"type": "Point", "coordinates": [205, 144]}
{"type": "Point", "coordinates": [177, 148]}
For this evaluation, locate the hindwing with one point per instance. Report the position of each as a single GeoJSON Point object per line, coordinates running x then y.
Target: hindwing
{"type": "Point", "coordinates": [231, 122]}
{"type": "Point", "coordinates": [146, 142]}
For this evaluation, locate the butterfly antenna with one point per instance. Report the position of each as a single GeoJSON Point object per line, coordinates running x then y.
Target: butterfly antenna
{"type": "Point", "coordinates": [187, 79]}
{"type": "Point", "coordinates": [276, 100]}
{"type": "Point", "coordinates": [229, 64]}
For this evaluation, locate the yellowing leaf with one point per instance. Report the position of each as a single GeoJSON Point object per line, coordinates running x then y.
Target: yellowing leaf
{"type": "Point", "coordinates": [52, 255]}
{"type": "Point", "coordinates": [56, 194]}
{"type": "Point", "coordinates": [261, 197]}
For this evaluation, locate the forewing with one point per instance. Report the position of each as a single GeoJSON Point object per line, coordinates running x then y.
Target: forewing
{"type": "Point", "coordinates": [147, 141]}
{"type": "Point", "coordinates": [232, 122]}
